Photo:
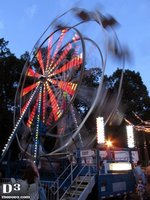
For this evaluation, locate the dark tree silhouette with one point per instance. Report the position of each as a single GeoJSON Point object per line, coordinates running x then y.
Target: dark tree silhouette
{"type": "Point", "coordinates": [135, 95]}
{"type": "Point", "coordinates": [135, 99]}
{"type": "Point", "coordinates": [10, 69]}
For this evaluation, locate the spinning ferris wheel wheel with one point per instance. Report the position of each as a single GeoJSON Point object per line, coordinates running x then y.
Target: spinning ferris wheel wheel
{"type": "Point", "coordinates": [53, 99]}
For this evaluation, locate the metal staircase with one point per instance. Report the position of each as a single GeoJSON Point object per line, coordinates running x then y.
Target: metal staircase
{"type": "Point", "coordinates": [81, 186]}
{"type": "Point", "coordinates": [77, 184]}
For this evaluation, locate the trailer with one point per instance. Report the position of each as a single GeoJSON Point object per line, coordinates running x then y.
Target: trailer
{"type": "Point", "coordinates": [114, 170]}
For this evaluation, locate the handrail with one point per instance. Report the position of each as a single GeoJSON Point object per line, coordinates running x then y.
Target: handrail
{"type": "Point", "coordinates": [55, 182]}
{"type": "Point", "coordinates": [74, 180]}
{"type": "Point", "coordinates": [88, 173]}
{"type": "Point", "coordinates": [66, 178]}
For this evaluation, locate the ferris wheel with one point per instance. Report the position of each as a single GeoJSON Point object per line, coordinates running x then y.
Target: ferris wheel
{"type": "Point", "coordinates": [51, 99]}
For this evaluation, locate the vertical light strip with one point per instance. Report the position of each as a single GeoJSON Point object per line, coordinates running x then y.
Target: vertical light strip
{"type": "Point", "coordinates": [36, 143]}
{"type": "Point", "coordinates": [130, 136]}
{"type": "Point", "coordinates": [44, 104]}
{"type": "Point", "coordinates": [100, 130]}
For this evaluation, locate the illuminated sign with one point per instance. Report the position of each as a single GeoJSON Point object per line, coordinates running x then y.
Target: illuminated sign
{"type": "Point", "coordinates": [120, 166]}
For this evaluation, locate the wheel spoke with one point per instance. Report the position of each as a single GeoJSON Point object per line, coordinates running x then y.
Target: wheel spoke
{"type": "Point", "coordinates": [54, 104]}
{"type": "Point", "coordinates": [28, 101]}
{"type": "Point", "coordinates": [32, 73]}
{"type": "Point", "coordinates": [59, 43]}
{"type": "Point", "coordinates": [33, 112]}
{"type": "Point", "coordinates": [75, 62]}
{"type": "Point", "coordinates": [24, 107]}
{"type": "Point", "coordinates": [29, 88]}
{"type": "Point", "coordinates": [49, 51]}
{"type": "Point", "coordinates": [62, 56]}
{"type": "Point", "coordinates": [37, 132]}
{"type": "Point", "coordinates": [68, 87]}
{"type": "Point", "coordinates": [40, 60]}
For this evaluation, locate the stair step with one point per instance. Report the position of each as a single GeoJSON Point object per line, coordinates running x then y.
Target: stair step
{"type": "Point", "coordinates": [77, 187]}
{"type": "Point", "coordinates": [84, 183]}
{"type": "Point", "coordinates": [81, 187]}
{"type": "Point", "coordinates": [72, 194]}
{"type": "Point", "coordinates": [85, 179]}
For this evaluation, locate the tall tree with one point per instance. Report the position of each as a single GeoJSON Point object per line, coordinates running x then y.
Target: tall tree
{"type": "Point", "coordinates": [10, 68]}
{"type": "Point", "coordinates": [135, 98]}
{"type": "Point", "coordinates": [135, 95]}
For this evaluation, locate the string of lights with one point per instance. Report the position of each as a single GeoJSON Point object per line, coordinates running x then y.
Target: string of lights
{"type": "Point", "coordinates": [144, 126]}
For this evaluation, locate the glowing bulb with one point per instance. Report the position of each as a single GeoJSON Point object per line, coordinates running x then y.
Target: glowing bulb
{"type": "Point", "coordinates": [109, 143]}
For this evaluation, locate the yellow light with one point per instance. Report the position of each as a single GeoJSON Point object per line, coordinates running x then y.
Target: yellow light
{"type": "Point", "coordinates": [100, 130]}
{"type": "Point", "coordinates": [109, 143]}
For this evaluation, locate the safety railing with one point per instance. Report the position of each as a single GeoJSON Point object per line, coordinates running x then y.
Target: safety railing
{"type": "Point", "coordinates": [88, 174]}
{"type": "Point", "coordinates": [46, 185]}
{"type": "Point", "coordinates": [57, 188]}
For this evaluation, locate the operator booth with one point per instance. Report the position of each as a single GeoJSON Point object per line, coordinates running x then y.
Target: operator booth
{"type": "Point", "coordinates": [114, 170]}
{"type": "Point", "coordinates": [116, 176]}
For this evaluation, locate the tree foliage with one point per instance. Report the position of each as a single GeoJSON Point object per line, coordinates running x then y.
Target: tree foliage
{"type": "Point", "coordinates": [91, 77]}
{"type": "Point", "coordinates": [135, 95]}
{"type": "Point", "coordinates": [135, 99]}
{"type": "Point", "coordinates": [10, 69]}
{"type": "Point", "coordinates": [4, 50]}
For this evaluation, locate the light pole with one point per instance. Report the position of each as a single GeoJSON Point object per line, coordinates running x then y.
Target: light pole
{"type": "Point", "coordinates": [100, 143]}
{"type": "Point", "coordinates": [100, 138]}
{"type": "Point", "coordinates": [130, 139]}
